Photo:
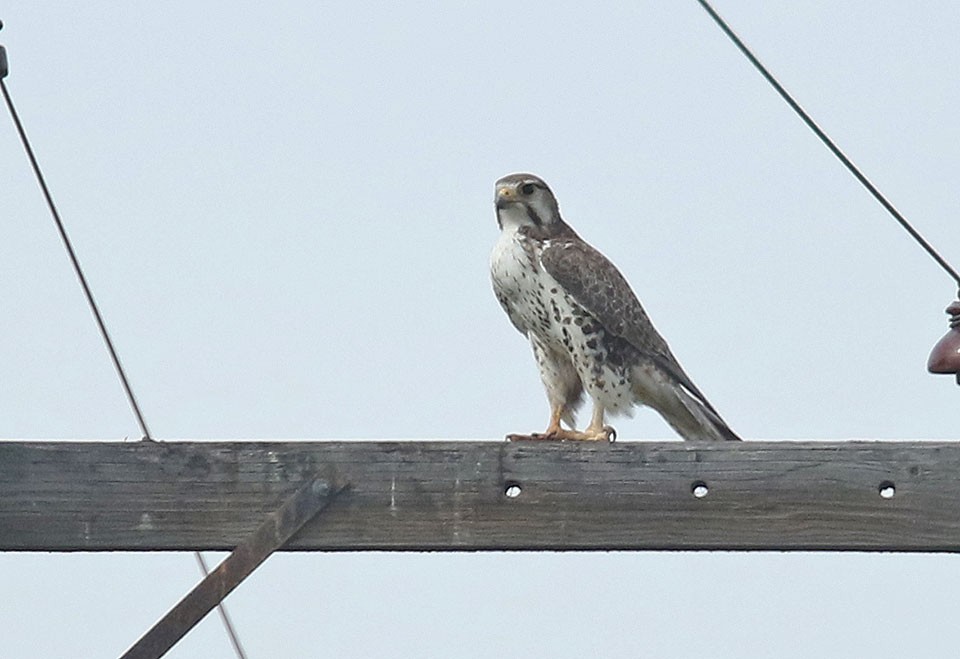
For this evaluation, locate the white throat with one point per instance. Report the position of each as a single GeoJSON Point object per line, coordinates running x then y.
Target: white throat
{"type": "Point", "coordinates": [512, 218]}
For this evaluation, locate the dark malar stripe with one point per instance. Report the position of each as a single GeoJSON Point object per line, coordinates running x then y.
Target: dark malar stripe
{"type": "Point", "coordinates": [533, 215]}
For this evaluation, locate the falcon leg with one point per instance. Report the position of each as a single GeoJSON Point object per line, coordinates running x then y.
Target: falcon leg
{"type": "Point", "coordinates": [596, 431]}
{"type": "Point", "coordinates": [556, 413]}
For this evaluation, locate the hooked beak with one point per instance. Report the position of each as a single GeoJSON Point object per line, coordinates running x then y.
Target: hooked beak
{"type": "Point", "coordinates": [505, 197]}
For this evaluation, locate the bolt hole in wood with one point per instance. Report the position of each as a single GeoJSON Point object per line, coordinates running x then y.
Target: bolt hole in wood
{"type": "Point", "coordinates": [887, 489]}
{"type": "Point", "coordinates": [699, 489]}
{"type": "Point", "coordinates": [512, 489]}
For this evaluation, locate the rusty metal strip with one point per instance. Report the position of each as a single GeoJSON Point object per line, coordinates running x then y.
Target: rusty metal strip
{"type": "Point", "coordinates": [273, 533]}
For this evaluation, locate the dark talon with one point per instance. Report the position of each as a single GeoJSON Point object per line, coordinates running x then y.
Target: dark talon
{"type": "Point", "coordinates": [518, 437]}
{"type": "Point", "coordinates": [611, 433]}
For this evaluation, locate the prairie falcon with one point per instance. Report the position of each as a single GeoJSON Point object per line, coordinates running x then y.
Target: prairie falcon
{"type": "Point", "coordinates": [587, 329]}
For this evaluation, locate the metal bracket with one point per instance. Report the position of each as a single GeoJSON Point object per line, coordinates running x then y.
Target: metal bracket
{"type": "Point", "coordinates": [273, 533]}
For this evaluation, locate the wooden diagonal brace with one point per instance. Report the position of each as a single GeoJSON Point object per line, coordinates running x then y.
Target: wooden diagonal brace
{"type": "Point", "coordinates": [273, 533]}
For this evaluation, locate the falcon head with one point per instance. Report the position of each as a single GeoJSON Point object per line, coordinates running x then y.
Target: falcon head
{"type": "Point", "coordinates": [525, 200]}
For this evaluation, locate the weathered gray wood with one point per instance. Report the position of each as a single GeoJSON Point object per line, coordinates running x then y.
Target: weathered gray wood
{"type": "Point", "coordinates": [450, 495]}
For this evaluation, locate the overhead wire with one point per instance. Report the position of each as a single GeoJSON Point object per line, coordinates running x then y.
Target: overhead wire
{"type": "Point", "coordinates": [222, 610]}
{"type": "Point", "coordinates": [114, 357]}
{"type": "Point", "coordinates": [94, 308]}
{"type": "Point", "coordinates": [830, 144]}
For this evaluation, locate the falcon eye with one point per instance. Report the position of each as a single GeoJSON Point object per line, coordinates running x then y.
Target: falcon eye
{"type": "Point", "coordinates": [527, 189]}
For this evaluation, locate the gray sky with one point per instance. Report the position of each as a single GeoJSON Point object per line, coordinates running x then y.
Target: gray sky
{"type": "Point", "coordinates": [285, 212]}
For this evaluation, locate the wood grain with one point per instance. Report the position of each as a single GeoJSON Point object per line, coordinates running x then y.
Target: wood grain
{"type": "Point", "coordinates": [451, 495]}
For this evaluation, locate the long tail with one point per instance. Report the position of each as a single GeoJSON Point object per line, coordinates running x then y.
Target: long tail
{"type": "Point", "coordinates": [695, 421]}
{"type": "Point", "coordinates": [681, 405]}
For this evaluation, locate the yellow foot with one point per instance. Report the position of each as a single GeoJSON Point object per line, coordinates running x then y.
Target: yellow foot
{"type": "Point", "coordinates": [607, 433]}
